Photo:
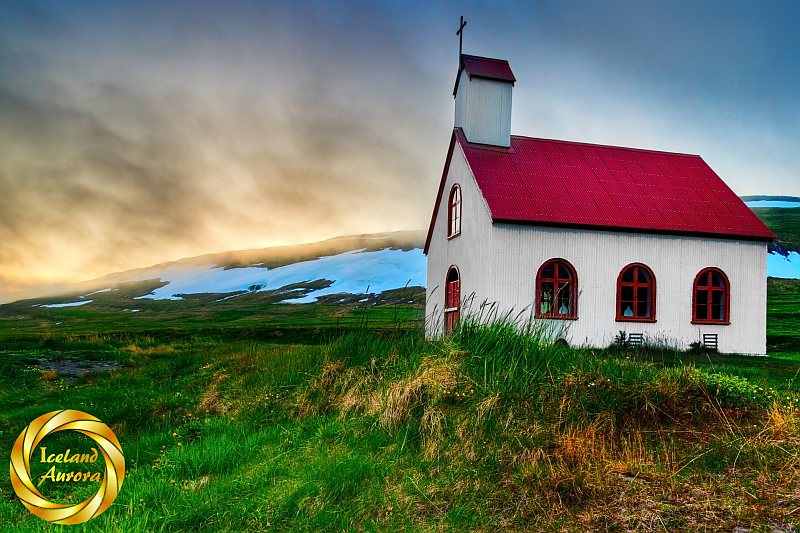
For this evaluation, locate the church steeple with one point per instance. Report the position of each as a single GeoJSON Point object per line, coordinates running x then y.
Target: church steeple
{"type": "Point", "coordinates": [483, 97]}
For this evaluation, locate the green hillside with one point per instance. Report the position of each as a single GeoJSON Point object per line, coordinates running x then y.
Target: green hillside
{"type": "Point", "coordinates": [784, 222]}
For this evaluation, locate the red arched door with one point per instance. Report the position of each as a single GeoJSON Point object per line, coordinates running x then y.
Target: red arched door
{"type": "Point", "coordinates": [452, 299]}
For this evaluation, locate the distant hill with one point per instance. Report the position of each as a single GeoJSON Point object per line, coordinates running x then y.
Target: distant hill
{"type": "Point", "coordinates": [358, 267]}
{"type": "Point", "coordinates": [781, 214]}
{"type": "Point", "coordinates": [784, 223]}
{"type": "Point", "coordinates": [762, 197]}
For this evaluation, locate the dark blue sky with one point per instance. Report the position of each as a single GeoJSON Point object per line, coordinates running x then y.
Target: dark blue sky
{"type": "Point", "coordinates": [138, 132]}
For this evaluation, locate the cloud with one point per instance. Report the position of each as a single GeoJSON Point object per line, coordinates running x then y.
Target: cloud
{"type": "Point", "coordinates": [133, 133]}
{"type": "Point", "coordinates": [175, 155]}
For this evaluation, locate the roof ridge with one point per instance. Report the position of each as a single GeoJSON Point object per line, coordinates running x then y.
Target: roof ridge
{"type": "Point", "coordinates": [648, 150]}
{"type": "Point", "coordinates": [471, 56]}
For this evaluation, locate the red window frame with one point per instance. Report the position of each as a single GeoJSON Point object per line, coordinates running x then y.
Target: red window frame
{"type": "Point", "coordinates": [571, 282]}
{"type": "Point", "coordinates": [454, 212]}
{"type": "Point", "coordinates": [636, 285]}
{"type": "Point", "coordinates": [703, 283]}
{"type": "Point", "coordinates": [452, 299]}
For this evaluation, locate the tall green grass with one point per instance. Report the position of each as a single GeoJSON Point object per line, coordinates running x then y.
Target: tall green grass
{"type": "Point", "coordinates": [493, 428]}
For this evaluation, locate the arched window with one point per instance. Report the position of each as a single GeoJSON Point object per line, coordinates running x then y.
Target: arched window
{"type": "Point", "coordinates": [712, 297]}
{"type": "Point", "coordinates": [454, 212]}
{"type": "Point", "coordinates": [452, 299]}
{"type": "Point", "coordinates": [636, 294]}
{"type": "Point", "coordinates": [556, 290]}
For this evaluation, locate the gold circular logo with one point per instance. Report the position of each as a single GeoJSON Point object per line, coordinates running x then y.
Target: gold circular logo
{"type": "Point", "coordinates": [88, 425]}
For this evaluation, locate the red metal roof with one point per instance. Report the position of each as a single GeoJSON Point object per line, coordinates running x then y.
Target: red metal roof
{"type": "Point", "coordinates": [484, 67]}
{"type": "Point", "coordinates": [561, 183]}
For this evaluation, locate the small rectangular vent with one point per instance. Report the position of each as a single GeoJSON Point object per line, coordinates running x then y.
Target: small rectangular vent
{"type": "Point", "coordinates": [710, 341]}
{"type": "Point", "coordinates": [635, 339]}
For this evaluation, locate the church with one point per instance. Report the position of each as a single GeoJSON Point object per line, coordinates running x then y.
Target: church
{"type": "Point", "coordinates": [587, 240]}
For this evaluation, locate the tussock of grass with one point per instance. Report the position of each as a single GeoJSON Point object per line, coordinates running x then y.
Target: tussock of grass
{"type": "Point", "coordinates": [782, 423]}
{"type": "Point", "coordinates": [49, 375]}
{"type": "Point", "coordinates": [433, 382]}
{"type": "Point", "coordinates": [211, 401]}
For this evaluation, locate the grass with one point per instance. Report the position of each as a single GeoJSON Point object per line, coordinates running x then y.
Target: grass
{"type": "Point", "coordinates": [784, 222]}
{"type": "Point", "coordinates": [248, 315]}
{"type": "Point", "coordinates": [783, 316]}
{"type": "Point", "coordinates": [368, 426]}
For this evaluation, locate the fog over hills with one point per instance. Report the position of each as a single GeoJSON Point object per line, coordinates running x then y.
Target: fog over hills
{"type": "Point", "coordinates": [358, 265]}
{"type": "Point", "coordinates": [350, 268]}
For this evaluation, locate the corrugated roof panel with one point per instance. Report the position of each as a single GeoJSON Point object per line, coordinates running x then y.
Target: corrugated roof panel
{"type": "Point", "coordinates": [493, 161]}
{"type": "Point", "coordinates": [569, 149]}
{"type": "Point", "coordinates": [706, 195]}
{"type": "Point", "coordinates": [695, 219]}
{"type": "Point", "coordinates": [558, 182]}
{"type": "Point", "coordinates": [577, 161]}
{"type": "Point", "coordinates": [594, 161]}
{"type": "Point", "coordinates": [686, 191]}
{"type": "Point", "coordinates": [654, 217]}
{"type": "Point", "coordinates": [598, 212]}
{"type": "Point", "coordinates": [633, 167]}
{"type": "Point", "coordinates": [547, 147]}
{"type": "Point", "coordinates": [558, 159]}
{"type": "Point", "coordinates": [604, 174]}
{"type": "Point", "coordinates": [651, 168]}
{"type": "Point", "coordinates": [620, 199]}
{"type": "Point", "coordinates": [638, 178]}
{"type": "Point", "coordinates": [615, 165]}
{"type": "Point", "coordinates": [646, 203]}
{"type": "Point", "coordinates": [668, 172]}
{"type": "Point", "coordinates": [494, 189]}
{"type": "Point", "coordinates": [717, 221]}
{"type": "Point", "coordinates": [613, 187]}
{"type": "Point", "coordinates": [530, 168]}
{"type": "Point", "coordinates": [538, 159]}
{"type": "Point", "coordinates": [590, 185]}
{"type": "Point", "coordinates": [603, 198]}
{"type": "Point", "coordinates": [580, 195]}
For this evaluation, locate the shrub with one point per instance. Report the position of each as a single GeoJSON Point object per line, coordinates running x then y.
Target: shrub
{"type": "Point", "coordinates": [620, 341]}
{"type": "Point", "coordinates": [734, 391]}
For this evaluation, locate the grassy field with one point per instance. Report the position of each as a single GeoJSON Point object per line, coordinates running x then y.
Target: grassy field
{"type": "Point", "coordinates": [784, 222]}
{"type": "Point", "coordinates": [346, 419]}
{"type": "Point", "coordinates": [118, 313]}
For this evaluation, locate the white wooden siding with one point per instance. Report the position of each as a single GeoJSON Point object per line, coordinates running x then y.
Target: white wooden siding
{"type": "Point", "coordinates": [464, 251]}
{"type": "Point", "coordinates": [483, 110]}
{"type": "Point", "coordinates": [598, 257]}
{"type": "Point", "coordinates": [498, 263]}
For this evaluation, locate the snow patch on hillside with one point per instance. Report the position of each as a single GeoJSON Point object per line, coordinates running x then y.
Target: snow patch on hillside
{"type": "Point", "coordinates": [779, 266]}
{"type": "Point", "coordinates": [99, 292]}
{"type": "Point", "coordinates": [69, 304]}
{"type": "Point", "coordinates": [352, 272]}
{"type": "Point", "coordinates": [366, 272]}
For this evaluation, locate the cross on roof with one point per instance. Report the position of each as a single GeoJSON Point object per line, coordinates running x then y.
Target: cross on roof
{"type": "Point", "coordinates": [460, 34]}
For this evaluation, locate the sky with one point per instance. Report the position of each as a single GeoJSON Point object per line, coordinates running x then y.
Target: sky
{"type": "Point", "coordinates": [133, 133]}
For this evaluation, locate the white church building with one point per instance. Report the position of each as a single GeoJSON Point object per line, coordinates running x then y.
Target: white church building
{"type": "Point", "coordinates": [588, 240]}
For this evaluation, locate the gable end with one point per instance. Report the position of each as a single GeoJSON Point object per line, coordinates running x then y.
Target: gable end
{"type": "Point", "coordinates": [440, 194]}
